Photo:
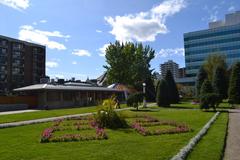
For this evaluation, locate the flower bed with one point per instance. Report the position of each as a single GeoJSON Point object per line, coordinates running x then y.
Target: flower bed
{"type": "Point", "coordinates": [143, 124]}
{"type": "Point", "coordinates": [92, 131]}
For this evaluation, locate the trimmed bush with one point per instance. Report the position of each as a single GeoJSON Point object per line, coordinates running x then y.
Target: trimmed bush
{"type": "Point", "coordinates": [209, 100]}
{"type": "Point", "coordinates": [134, 100]}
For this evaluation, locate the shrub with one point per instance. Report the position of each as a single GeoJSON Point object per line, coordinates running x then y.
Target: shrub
{"type": "Point", "coordinates": [107, 117]}
{"type": "Point", "coordinates": [209, 100]}
{"type": "Point", "coordinates": [134, 100]}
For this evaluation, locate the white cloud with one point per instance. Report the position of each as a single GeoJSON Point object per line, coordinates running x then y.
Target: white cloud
{"type": "Point", "coordinates": [98, 31]}
{"type": "Point", "coordinates": [29, 33]}
{"type": "Point", "coordinates": [51, 64]}
{"type": "Point", "coordinates": [81, 52]}
{"type": "Point", "coordinates": [74, 62]}
{"type": "Point", "coordinates": [16, 4]}
{"type": "Point", "coordinates": [171, 52]}
{"type": "Point", "coordinates": [144, 26]}
{"type": "Point", "coordinates": [103, 50]}
{"type": "Point", "coordinates": [231, 9]}
{"type": "Point", "coordinates": [43, 21]}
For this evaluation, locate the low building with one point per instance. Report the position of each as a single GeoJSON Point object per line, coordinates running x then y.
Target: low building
{"type": "Point", "coordinates": [51, 96]}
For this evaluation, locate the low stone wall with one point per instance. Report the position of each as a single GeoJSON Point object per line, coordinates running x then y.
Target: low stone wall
{"type": "Point", "coordinates": [12, 107]}
{"type": "Point", "coordinates": [193, 142]}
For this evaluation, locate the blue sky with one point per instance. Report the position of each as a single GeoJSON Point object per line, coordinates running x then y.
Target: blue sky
{"type": "Point", "coordinates": [77, 31]}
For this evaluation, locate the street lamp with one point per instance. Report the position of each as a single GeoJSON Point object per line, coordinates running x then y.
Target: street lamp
{"type": "Point", "coordinates": [144, 97]}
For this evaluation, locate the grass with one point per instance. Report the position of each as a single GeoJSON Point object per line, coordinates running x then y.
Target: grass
{"type": "Point", "coordinates": [46, 114]}
{"type": "Point", "coordinates": [212, 145]}
{"type": "Point", "coordinates": [23, 142]}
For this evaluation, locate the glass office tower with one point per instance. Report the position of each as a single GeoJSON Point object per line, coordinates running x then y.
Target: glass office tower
{"type": "Point", "coordinates": [222, 37]}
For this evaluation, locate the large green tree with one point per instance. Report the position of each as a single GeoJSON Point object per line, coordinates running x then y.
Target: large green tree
{"type": "Point", "coordinates": [213, 61]}
{"type": "Point", "coordinates": [220, 82]}
{"type": "Point", "coordinates": [172, 88]}
{"type": "Point", "coordinates": [162, 96]}
{"type": "Point", "coordinates": [201, 77]}
{"type": "Point", "coordinates": [234, 85]}
{"type": "Point", "coordinates": [129, 64]}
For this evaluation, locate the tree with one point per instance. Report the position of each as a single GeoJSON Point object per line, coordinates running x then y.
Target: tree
{"type": "Point", "coordinates": [234, 85]}
{"type": "Point", "coordinates": [201, 77]}
{"type": "Point", "coordinates": [134, 100]}
{"type": "Point", "coordinates": [129, 64]}
{"type": "Point", "coordinates": [206, 87]}
{"type": "Point", "coordinates": [219, 83]}
{"type": "Point", "coordinates": [212, 62]}
{"type": "Point", "coordinates": [172, 88]}
{"type": "Point", "coordinates": [150, 90]}
{"type": "Point", "coordinates": [207, 97]}
{"type": "Point", "coordinates": [162, 94]}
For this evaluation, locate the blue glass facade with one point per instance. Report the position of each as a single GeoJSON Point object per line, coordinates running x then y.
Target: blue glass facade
{"type": "Point", "coordinates": [198, 45]}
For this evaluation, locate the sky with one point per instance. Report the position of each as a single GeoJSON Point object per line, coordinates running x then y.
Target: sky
{"type": "Point", "coordinates": [76, 32]}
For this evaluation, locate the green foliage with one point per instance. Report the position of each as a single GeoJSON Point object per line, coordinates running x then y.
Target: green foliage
{"type": "Point", "coordinates": [128, 63]}
{"type": "Point", "coordinates": [162, 97]}
{"type": "Point", "coordinates": [150, 90]}
{"type": "Point", "coordinates": [219, 83]}
{"type": "Point", "coordinates": [213, 61]}
{"type": "Point", "coordinates": [134, 100]}
{"type": "Point", "coordinates": [234, 85]}
{"type": "Point", "coordinates": [201, 77]}
{"type": "Point", "coordinates": [107, 117]}
{"type": "Point", "coordinates": [209, 100]}
{"type": "Point", "coordinates": [206, 87]}
{"type": "Point", "coordinates": [172, 88]}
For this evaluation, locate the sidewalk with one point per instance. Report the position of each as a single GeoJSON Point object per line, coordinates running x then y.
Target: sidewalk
{"type": "Point", "coordinates": [43, 120]}
{"type": "Point", "coordinates": [17, 112]}
{"type": "Point", "coordinates": [233, 140]}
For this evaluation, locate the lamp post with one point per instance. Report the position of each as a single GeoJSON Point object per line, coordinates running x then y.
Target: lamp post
{"type": "Point", "coordinates": [144, 97]}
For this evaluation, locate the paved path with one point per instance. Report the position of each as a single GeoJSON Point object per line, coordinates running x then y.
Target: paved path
{"type": "Point", "coordinates": [42, 120]}
{"type": "Point", "coordinates": [17, 112]}
{"type": "Point", "coordinates": [232, 149]}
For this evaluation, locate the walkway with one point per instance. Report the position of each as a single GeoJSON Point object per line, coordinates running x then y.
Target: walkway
{"type": "Point", "coordinates": [43, 120]}
{"type": "Point", "coordinates": [17, 112]}
{"type": "Point", "coordinates": [233, 140]}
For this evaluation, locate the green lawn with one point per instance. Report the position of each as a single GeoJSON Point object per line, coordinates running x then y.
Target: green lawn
{"type": "Point", "coordinates": [212, 145]}
{"type": "Point", "coordinates": [23, 142]}
{"type": "Point", "coordinates": [46, 114]}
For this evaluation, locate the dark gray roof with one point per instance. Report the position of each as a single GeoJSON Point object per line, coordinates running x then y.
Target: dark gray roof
{"type": "Point", "coordinates": [63, 87]}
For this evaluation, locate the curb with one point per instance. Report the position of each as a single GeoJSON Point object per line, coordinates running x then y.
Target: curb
{"type": "Point", "coordinates": [182, 154]}
{"type": "Point", "coordinates": [43, 120]}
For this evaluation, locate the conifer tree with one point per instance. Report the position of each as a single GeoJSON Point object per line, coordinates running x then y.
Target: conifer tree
{"type": "Point", "coordinates": [162, 94]}
{"type": "Point", "coordinates": [219, 83]}
{"type": "Point", "coordinates": [234, 85]}
{"type": "Point", "coordinates": [172, 88]}
{"type": "Point", "coordinates": [201, 77]}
